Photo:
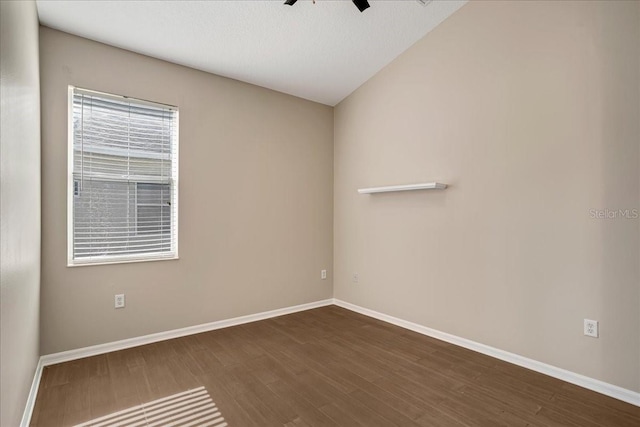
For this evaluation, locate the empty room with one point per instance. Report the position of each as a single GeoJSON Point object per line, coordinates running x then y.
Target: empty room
{"type": "Point", "coordinates": [320, 213]}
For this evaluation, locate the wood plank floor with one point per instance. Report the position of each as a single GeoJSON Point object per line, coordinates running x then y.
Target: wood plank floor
{"type": "Point", "coordinates": [323, 367]}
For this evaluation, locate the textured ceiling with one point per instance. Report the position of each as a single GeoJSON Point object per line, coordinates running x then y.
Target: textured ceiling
{"type": "Point", "coordinates": [322, 51]}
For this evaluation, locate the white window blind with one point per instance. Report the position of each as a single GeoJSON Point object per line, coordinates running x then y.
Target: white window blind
{"type": "Point", "coordinates": [123, 179]}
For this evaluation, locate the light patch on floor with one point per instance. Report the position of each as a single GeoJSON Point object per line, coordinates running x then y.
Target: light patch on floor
{"type": "Point", "coordinates": [187, 409]}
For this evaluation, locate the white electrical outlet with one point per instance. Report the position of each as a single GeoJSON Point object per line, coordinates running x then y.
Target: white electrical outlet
{"type": "Point", "coordinates": [356, 278]}
{"type": "Point", "coordinates": [591, 328]}
{"type": "Point", "coordinates": [120, 301]}
{"type": "Point", "coordinates": [323, 274]}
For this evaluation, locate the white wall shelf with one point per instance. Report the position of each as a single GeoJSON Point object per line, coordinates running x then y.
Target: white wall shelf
{"type": "Point", "coordinates": [407, 187]}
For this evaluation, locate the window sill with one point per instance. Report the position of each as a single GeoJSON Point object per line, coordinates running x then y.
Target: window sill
{"type": "Point", "coordinates": [120, 261]}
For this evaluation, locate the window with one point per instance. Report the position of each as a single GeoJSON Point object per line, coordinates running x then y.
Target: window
{"type": "Point", "coordinates": [123, 179]}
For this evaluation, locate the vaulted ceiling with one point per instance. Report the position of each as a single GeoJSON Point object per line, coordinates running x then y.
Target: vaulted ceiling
{"type": "Point", "coordinates": [321, 52]}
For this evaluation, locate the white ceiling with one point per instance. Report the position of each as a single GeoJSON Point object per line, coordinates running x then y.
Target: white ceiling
{"type": "Point", "coordinates": [321, 51]}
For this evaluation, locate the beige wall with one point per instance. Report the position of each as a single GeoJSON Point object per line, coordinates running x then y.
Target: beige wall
{"type": "Point", "coordinates": [530, 111]}
{"type": "Point", "coordinates": [256, 201]}
{"type": "Point", "coordinates": [19, 206]}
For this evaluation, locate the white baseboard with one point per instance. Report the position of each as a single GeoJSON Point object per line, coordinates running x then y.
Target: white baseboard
{"type": "Point", "coordinates": [602, 387]}
{"type": "Point", "coordinates": [33, 393]}
{"type": "Point", "coordinates": [65, 356]}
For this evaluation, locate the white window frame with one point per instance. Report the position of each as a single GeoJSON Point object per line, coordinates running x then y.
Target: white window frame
{"type": "Point", "coordinates": [128, 258]}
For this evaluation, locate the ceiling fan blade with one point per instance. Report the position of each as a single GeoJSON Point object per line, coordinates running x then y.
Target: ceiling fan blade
{"type": "Point", "coordinates": [361, 4]}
